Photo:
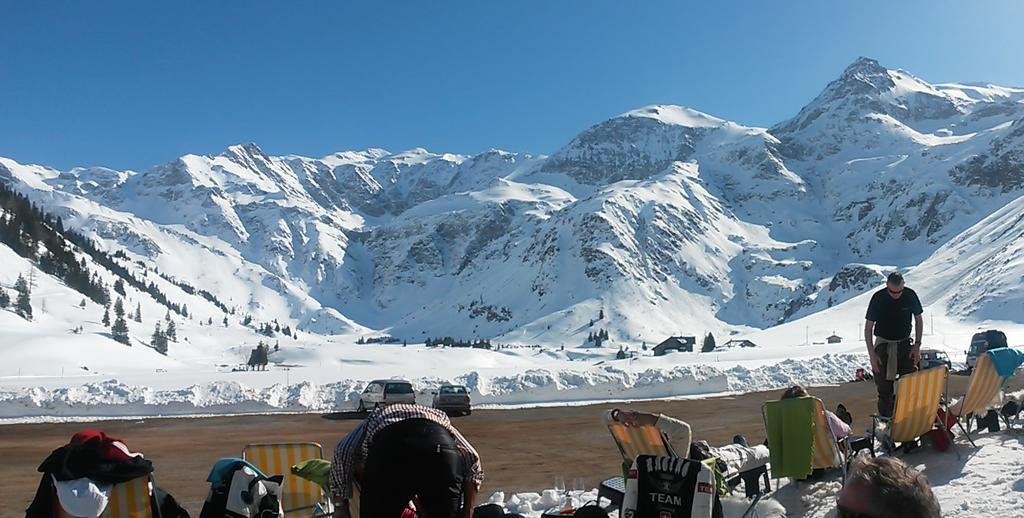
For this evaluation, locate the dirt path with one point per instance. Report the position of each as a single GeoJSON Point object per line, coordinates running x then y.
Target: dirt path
{"type": "Point", "coordinates": [521, 449]}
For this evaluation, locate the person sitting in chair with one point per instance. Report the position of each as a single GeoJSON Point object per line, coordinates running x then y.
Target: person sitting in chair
{"type": "Point", "coordinates": [738, 457]}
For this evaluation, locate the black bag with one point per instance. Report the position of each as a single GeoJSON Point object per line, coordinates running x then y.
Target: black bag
{"type": "Point", "coordinates": [242, 492]}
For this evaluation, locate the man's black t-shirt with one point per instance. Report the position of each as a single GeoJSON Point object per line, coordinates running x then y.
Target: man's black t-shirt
{"type": "Point", "coordinates": [892, 316]}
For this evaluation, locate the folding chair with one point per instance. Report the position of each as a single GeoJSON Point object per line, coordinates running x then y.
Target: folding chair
{"type": "Point", "coordinates": [299, 497]}
{"type": "Point", "coordinates": [918, 396]}
{"type": "Point", "coordinates": [131, 499]}
{"type": "Point", "coordinates": [634, 441]}
{"type": "Point", "coordinates": [983, 392]}
{"type": "Point", "coordinates": [800, 439]}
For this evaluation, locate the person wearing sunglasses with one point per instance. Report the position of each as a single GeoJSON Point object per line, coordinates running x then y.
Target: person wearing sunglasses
{"type": "Point", "coordinates": [885, 487]}
{"type": "Point", "coordinates": [887, 334]}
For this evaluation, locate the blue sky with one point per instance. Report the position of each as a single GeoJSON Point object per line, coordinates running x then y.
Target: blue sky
{"type": "Point", "coordinates": [135, 84]}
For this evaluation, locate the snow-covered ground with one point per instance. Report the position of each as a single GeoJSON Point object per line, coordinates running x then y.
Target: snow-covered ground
{"type": "Point", "coordinates": [982, 481]}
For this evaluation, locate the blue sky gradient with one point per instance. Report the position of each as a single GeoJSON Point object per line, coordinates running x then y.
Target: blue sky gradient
{"type": "Point", "coordinates": [135, 84]}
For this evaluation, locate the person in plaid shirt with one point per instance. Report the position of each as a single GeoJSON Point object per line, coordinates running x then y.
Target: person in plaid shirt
{"type": "Point", "coordinates": [403, 451]}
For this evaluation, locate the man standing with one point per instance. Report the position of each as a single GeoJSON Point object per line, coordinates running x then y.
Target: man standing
{"type": "Point", "coordinates": [404, 452]}
{"type": "Point", "coordinates": [887, 334]}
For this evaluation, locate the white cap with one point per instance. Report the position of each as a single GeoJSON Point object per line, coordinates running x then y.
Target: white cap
{"type": "Point", "coordinates": [82, 496]}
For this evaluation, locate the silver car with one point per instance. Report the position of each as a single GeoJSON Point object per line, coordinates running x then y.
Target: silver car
{"type": "Point", "coordinates": [386, 392]}
{"type": "Point", "coordinates": [452, 399]}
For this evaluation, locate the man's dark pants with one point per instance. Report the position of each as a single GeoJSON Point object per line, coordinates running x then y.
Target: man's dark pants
{"type": "Point", "coordinates": [412, 457]}
{"type": "Point", "coordinates": [904, 365]}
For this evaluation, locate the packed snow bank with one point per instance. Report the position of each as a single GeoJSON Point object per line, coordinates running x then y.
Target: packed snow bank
{"type": "Point", "coordinates": [982, 481]}
{"type": "Point", "coordinates": [111, 398]}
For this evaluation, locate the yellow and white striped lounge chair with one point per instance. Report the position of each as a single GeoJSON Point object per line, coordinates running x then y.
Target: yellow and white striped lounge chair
{"type": "Point", "coordinates": [299, 497]}
{"type": "Point", "coordinates": [131, 499]}
{"type": "Point", "coordinates": [985, 391]}
{"type": "Point", "coordinates": [634, 441]}
{"type": "Point", "coordinates": [918, 396]}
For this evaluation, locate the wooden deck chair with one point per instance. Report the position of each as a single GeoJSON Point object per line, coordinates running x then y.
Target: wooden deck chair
{"type": "Point", "coordinates": [984, 392]}
{"type": "Point", "coordinates": [918, 396]}
{"type": "Point", "coordinates": [299, 497]}
{"type": "Point", "coordinates": [131, 499]}
{"type": "Point", "coordinates": [800, 439]}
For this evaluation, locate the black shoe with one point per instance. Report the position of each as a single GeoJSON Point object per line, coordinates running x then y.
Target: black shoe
{"type": "Point", "coordinates": [992, 420]}
{"type": "Point", "coordinates": [1010, 409]}
{"type": "Point", "coordinates": [741, 440]}
{"type": "Point", "coordinates": [844, 415]}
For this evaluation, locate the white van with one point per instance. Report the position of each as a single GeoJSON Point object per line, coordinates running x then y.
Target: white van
{"type": "Point", "coordinates": [386, 392]}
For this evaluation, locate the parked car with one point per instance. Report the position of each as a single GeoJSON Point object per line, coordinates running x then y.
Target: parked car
{"type": "Point", "coordinates": [934, 358]}
{"type": "Point", "coordinates": [386, 392]}
{"type": "Point", "coordinates": [452, 399]}
{"type": "Point", "coordinates": [981, 343]}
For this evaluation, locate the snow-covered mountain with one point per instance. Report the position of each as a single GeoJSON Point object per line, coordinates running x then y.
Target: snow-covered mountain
{"type": "Point", "coordinates": [663, 220]}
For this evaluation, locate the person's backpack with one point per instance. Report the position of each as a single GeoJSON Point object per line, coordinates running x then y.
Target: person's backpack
{"type": "Point", "coordinates": [239, 490]}
{"type": "Point", "coordinates": [670, 487]}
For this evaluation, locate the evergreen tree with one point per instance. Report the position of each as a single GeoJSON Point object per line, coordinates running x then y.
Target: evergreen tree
{"type": "Point", "coordinates": [225, 321]}
{"type": "Point", "coordinates": [644, 346]}
{"type": "Point", "coordinates": [5, 299]}
{"type": "Point", "coordinates": [23, 303]}
{"type": "Point", "coordinates": [82, 304]}
{"type": "Point", "coordinates": [167, 317]}
{"type": "Point", "coordinates": [600, 315]}
{"type": "Point", "coordinates": [118, 308]}
{"type": "Point", "coordinates": [106, 316]}
{"type": "Point", "coordinates": [209, 321]}
{"type": "Point", "coordinates": [120, 330]}
{"type": "Point", "coordinates": [138, 312]}
{"type": "Point", "coordinates": [172, 331]}
{"type": "Point", "coordinates": [184, 310]}
{"type": "Point", "coordinates": [159, 340]}
{"type": "Point", "coordinates": [119, 287]}
{"type": "Point", "coordinates": [709, 344]}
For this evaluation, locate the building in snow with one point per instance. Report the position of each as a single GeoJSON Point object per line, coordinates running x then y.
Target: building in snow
{"type": "Point", "coordinates": [675, 343]}
{"type": "Point", "coordinates": [738, 343]}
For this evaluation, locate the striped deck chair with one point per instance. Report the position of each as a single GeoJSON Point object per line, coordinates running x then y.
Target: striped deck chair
{"type": "Point", "coordinates": [634, 441]}
{"type": "Point", "coordinates": [788, 444]}
{"type": "Point", "coordinates": [983, 392]}
{"type": "Point", "coordinates": [299, 497]}
{"type": "Point", "coordinates": [132, 499]}
{"type": "Point", "coordinates": [918, 396]}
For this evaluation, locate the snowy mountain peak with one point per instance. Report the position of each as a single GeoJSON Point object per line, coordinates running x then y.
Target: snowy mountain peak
{"type": "Point", "coordinates": [864, 96]}
{"type": "Point", "coordinates": [677, 115]}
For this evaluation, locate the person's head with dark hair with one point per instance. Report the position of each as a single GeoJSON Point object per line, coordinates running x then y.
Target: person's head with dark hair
{"type": "Point", "coordinates": [894, 283]}
{"type": "Point", "coordinates": [895, 278]}
{"type": "Point", "coordinates": [885, 487]}
{"type": "Point", "coordinates": [794, 392]}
